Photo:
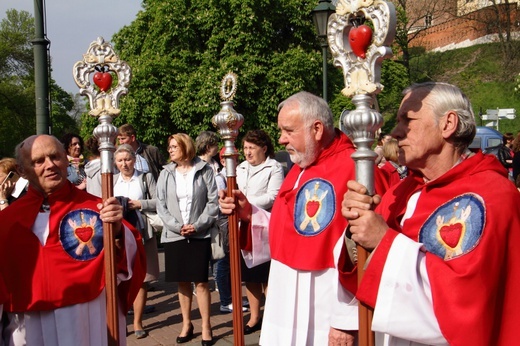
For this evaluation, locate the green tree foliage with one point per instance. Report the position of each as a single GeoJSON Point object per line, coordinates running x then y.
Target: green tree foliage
{"type": "Point", "coordinates": [17, 104]}
{"type": "Point", "coordinates": [17, 119]}
{"type": "Point", "coordinates": [180, 50]}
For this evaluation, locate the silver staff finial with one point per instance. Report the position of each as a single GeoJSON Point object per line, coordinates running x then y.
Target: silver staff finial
{"type": "Point", "coordinates": [228, 121]}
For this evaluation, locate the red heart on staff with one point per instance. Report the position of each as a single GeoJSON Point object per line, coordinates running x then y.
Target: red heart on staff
{"type": "Point", "coordinates": [312, 208]}
{"type": "Point", "coordinates": [84, 233]}
{"type": "Point", "coordinates": [103, 80]}
{"type": "Point", "coordinates": [450, 234]}
{"type": "Point", "coordinates": [360, 38]}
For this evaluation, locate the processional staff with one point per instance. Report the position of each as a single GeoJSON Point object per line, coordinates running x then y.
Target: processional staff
{"type": "Point", "coordinates": [359, 35]}
{"type": "Point", "coordinates": [101, 62]}
{"type": "Point", "coordinates": [228, 122]}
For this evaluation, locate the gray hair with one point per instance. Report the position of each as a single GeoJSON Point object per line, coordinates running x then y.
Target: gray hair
{"type": "Point", "coordinates": [204, 140]}
{"type": "Point", "coordinates": [126, 148]}
{"type": "Point", "coordinates": [444, 97]}
{"type": "Point", "coordinates": [312, 108]}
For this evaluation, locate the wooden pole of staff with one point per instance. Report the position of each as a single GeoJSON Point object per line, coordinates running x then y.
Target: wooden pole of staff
{"type": "Point", "coordinates": [228, 122]}
{"type": "Point", "coordinates": [106, 134]}
{"type": "Point", "coordinates": [110, 260]}
{"type": "Point", "coordinates": [234, 263]}
{"type": "Point", "coordinates": [365, 334]}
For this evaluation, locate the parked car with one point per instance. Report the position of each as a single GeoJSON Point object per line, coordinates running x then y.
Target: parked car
{"type": "Point", "coordinates": [492, 150]}
{"type": "Point", "coordinates": [485, 138]}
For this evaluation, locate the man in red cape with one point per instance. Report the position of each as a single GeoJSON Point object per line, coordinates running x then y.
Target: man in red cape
{"type": "Point", "coordinates": [444, 268]}
{"type": "Point", "coordinates": [304, 234]}
{"type": "Point", "coordinates": [51, 255]}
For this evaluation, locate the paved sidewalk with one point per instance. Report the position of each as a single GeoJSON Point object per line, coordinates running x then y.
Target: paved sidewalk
{"type": "Point", "coordinates": [164, 324]}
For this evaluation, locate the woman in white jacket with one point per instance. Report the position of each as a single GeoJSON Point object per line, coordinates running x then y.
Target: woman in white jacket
{"type": "Point", "coordinates": [259, 178]}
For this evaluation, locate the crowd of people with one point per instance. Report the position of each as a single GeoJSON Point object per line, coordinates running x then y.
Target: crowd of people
{"type": "Point", "coordinates": [440, 230]}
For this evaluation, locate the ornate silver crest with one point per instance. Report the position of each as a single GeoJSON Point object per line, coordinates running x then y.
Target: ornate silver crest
{"type": "Point", "coordinates": [94, 74]}
{"type": "Point", "coordinates": [360, 59]}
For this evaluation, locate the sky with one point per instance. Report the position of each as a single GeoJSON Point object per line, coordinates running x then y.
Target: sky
{"type": "Point", "coordinates": [72, 25]}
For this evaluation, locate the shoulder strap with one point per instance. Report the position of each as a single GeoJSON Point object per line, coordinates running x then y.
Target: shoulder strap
{"type": "Point", "coordinates": [145, 183]}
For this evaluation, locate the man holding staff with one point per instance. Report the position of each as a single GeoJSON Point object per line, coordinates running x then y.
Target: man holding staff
{"type": "Point", "coordinates": [51, 250]}
{"type": "Point", "coordinates": [304, 234]}
{"type": "Point", "coordinates": [444, 267]}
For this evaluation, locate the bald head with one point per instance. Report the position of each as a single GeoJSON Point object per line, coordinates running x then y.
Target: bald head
{"type": "Point", "coordinates": [43, 161]}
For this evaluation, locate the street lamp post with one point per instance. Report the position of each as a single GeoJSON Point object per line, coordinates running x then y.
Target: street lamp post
{"type": "Point", "coordinates": [320, 16]}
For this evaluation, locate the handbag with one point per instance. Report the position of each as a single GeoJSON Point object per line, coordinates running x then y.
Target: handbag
{"type": "Point", "coordinates": [218, 240]}
{"type": "Point", "coordinates": [152, 218]}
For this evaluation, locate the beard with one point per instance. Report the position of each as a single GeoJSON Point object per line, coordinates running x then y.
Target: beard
{"type": "Point", "coordinates": [306, 158]}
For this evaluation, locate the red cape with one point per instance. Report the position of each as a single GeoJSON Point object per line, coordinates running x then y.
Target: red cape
{"type": "Point", "coordinates": [306, 222]}
{"type": "Point", "coordinates": [69, 269]}
{"type": "Point", "coordinates": [475, 290]}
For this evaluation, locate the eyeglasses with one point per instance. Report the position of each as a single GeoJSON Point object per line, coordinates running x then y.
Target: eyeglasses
{"type": "Point", "coordinates": [75, 143]}
{"type": "Point", "coordinates": [173, 147]}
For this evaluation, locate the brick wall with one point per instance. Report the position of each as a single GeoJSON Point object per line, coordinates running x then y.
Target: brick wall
{"type": "Point", "coordinates": [473, 28]}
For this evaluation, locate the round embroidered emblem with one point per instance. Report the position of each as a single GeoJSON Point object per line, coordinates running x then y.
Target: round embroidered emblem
{"type": "Point", "coordinates": [455, 227]}
{"type": "Point", "coordinates": [81, 234]}
{"type": "Point", "coordinates": [315, 207]}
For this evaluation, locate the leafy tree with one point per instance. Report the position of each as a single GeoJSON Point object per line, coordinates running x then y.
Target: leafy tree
{"type": "Point", "coordinates": [500, 18]}
{"type": "Point", "coordinates": [17, 108]}
{"type": "Point", "coordinates": [62, 103]}
{"type": "Point", "coordinates": [17, 103]}
{"type": "Point", "coordinates": [413, 18]}
{"type": "Point", "coordinates": [180, 50]}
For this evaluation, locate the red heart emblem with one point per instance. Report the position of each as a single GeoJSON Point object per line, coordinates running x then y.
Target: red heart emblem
{"type": "Point", "coordinates": [312, 208]}
{"type": "Point", "coordinates": [103, 80]}
{"type": "Point", "coordinates": [84, 233]}
{"type": "Point", "coordinates": [450, 234]}
{"type": "Point", "coordinates": [360, 38]}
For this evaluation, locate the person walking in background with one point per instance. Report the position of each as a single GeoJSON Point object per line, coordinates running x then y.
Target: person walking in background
{"type": "Point", "coordinates": [444, 261]}
{"type": "Point", "coordinates": [148, 157]}
{"type": "Point", "coordinates": [259, 178]}
{"type": "Point", "coordinates": [51, 250]}
{"type": "Point", "coordinates": [93, 167]}
{"type": "Point", "coordinates": [393, 171]}
{"type": "Point", "coordinates": [187, 204]}
{"type": "Point", "coordinates": [74, 146]}
{"type": "Point", "coordinates": [222, 267]}
{"type": "Point", "coordinates": [140, 190]}
{"type": "Point", "coordinates": [206, 145]}
{"type": "Point", "coordinates": [516, 157]}
{"type": "Point", "coordinates": [380, 159]}
{"type": "Point", "coordinates": [505, 153]}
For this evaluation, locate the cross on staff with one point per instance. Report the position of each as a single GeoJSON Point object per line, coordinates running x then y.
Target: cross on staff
{"type": "Point", "coordinates": [101, 62]}
{"type": "Point", "coordinates": [359, 35]}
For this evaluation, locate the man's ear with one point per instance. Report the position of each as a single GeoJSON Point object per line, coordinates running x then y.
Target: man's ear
{"type": "Point", "coordinates": [20, 171]}
{"type": "Point", "coordinates": [317, 128]}
{"type": "Point", "coordinates": [449, 124]}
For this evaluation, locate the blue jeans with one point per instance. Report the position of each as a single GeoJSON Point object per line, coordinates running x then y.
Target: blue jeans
{"type": "Point", "coordinates": [223, 279]}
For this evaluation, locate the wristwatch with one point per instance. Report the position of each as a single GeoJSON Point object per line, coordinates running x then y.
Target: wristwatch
{"type": "Point", "coordinates": [3, 201]}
